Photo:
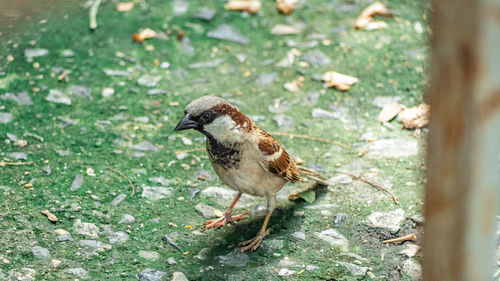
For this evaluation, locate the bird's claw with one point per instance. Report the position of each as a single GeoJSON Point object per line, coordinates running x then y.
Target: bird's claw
{"type": "Point", "coordinates": [222, 221]}
{"type": "Point", "coordinates": [254, 243]}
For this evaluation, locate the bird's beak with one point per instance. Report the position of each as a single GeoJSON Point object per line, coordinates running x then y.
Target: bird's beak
{"type": "Point", "coordinates": [185, 124]}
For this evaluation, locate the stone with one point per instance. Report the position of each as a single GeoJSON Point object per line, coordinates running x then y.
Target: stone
{"type": "Point", "coordinates": [334, 238]}
{"type": "Point", "coordinates": [94, 244]}
{"type": "Point", "coordinates": [203, 174]}
{"type": "Point", "coordinates": [205, 14]}
{"type": "Point", "coordinates": [86, 228]}
{"type": "Point", "coordinates": [67, 53]}
{"type": "Point", "coordinates": [5, 188]}
{"type": "Point", "coordinates": [206, 64]}
{"type": "Point", "coordinates": [234, 258]}
{"type": "Point", "coordinates": [273, 244]}
{"type": "Point", "coordinates": [64, 237]}
{"type": "Point", "coordinates": [57, 96]}
{"type": "Point", "coordinates": [171, 261]}
{"type": "Point", "coordinates": [160, 180]}
{"type": "Point", "coordinates": [390, 220]}
{"type": "Point", "coordinates": [150, 274]}
{"type": "Point", "coordinates": [338, 219]}
{"type": "Point", "coordinates": [80, 91]}
{"type": "Point", "coordinates": [18, 156]}
{"type": "Point", "coordinates": [111, 72]}
{"type": "Point", "coordinates": [47, 169]}
{"type": "Point", "coordinates": [149, 255]}
{"type": "Point", "coordinates": [228, 33]}
{"type": "Point", "coordinates": [354, 270]}
{"type": "Point", "coordinates": [339, 179]}
{"type": "Point", "coordinates": [311, 267]}
{"type": "Point", "coordinates": [21, 98]}
{"type": "Point", "coordinates": [299, 235]}
{"type": "Point", "coordinates": [316, 58]}
{"type": "Point", "coordinates": [393, 148]}
{"type": "Point", "coordinates": [410, 250]}
{"type": "Point", "coordinates": [321, 207]}
{"type": "Point", "coordinates": [77, 183]}
{"type": "Point", "coordinates": [78, 271]}
{"type": "Point", "coordinates": [412, 269]}
{"type": "Point", "coordinates": [154, 92]}
{"type": "Point", "coordinates": [127, 219]}
{"type": "Point", "coordinates": [118, 237]}
{"type": "Point", "coordinates": [148, 80]}
{"type": "Point", "coordinates": [179, 276]}
{"type": "Point", "coordinates": [156, 193]}
{"type": "Point", "coordinates": [284, 29]}
{"type": "Point", "coordinates": [144, 146]}
{"type": "Point", "coordinates": [179, 7]}
{"type": "Point", "coordinates": [5, 117]}
{"type": "Point", "coordinates": [381, 101]}
{"type": "Point", "coordinates": [284, 122]}
{"type": "Point", "coordinates": [118, 199]}
{"type": "Point", "coordinates": [33, 53]}
{"type": "Point", "coordinates": [202, 254]}
{"type": "Point", "coordinates": [40, 253]}
{"type": "Point", "coordinates": [318, 113]}
{"type": "Point", "coordinates": [223, 196]}
{"type": "Point", "coordinates": [265, 78]}
{"type": "Point", "coordinates": [206, 211]}
{"type": "Point", "coordinates": [258, 210]}
{"type": "Point", "coordinates": [283, 272]}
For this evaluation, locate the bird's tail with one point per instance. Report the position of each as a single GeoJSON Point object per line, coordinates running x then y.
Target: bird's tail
{"type": "Point", "coordinates": [312, 175]}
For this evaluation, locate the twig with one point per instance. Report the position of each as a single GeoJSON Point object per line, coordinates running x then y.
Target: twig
{"type": "Point", "coordinates": [401, 239]}
{"type": "Point", "coordinates": [312, 138]}
{"type": "Point", "coordinates": [2, 163]}
{"type": "Point", "coordinates": [63, 75]}
{"type": "Point", "coordinates": [93, 14]}
{"type": "Point", "coordinates": [370, 183]}
{"type": "Point", "coordinates": [129, 181]}
{"type": "Point", "coordinates": [189, 150]}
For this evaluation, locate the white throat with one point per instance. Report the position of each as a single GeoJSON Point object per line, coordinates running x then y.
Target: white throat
{"type": "Point", "coordinates": [224, 130]}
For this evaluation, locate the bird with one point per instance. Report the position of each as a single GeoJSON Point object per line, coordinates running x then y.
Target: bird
{"type": "Point", "coordinates": [245, 158]}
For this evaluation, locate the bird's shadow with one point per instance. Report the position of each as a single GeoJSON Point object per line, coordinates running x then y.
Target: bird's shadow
{"type": "Point", "coordinates": [283, 221]}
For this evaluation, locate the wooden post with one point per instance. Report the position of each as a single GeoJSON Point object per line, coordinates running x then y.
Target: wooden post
{"type": "Point", "coordinates": [463, 171]}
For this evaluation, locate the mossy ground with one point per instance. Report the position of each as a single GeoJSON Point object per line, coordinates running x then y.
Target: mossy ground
{"type": "Point", "coordinates": [388, 62]}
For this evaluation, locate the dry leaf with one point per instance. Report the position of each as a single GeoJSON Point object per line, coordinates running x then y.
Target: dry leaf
{"type": "Point", "coordinates": [21, 143]}
{"type": "Point", "coordinates": [50, 216]}
{"type": "Point", "coordinates": [367, 14]}
{"type": "Point", "coordinates": [146, 33]}
{"type": "Point", "coordinates": [124, 6]}
{"type": "Point", "coordinates": [286, 6]}
{"type": "Point", "coordinates": [415, 117]}
{"type": "Point", "coordinates": [339, 81]}
{"type": "Point", "coordinates": [251, 6]}
{"type": "Point", "coordinates": [389, 111]}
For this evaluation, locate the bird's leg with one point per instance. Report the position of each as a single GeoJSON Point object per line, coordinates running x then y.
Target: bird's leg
{"type": "Point", "coordinates": [227, 217]}
{"type": "Point", "coordinates": [263, 232]}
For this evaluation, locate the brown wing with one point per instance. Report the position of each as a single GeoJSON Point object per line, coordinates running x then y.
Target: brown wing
{"type": "Point", "coordinates": [275, 160]}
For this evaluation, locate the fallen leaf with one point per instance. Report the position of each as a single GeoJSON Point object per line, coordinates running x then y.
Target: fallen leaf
{"type": "Point", "coordinates": [50, 216]}
{"type": "Point", "coordinates": [339, 81]}
{"type": "Point", "coordinates": [308, 196]}
{"type": "Point", "coordinates": [389, 111]}
{"type": "Point", "coordinates": [415, 117]}
{"type": "Point", "coordinates": [146, 33]}
{"type": "Point", "coordinates": [367, 14]}
{"type": "Point", "coordinates": [124, 6]}
{"type": "Point", "coordinates": [252, 6]}
{"type": "Point", "coordinates": [286, 6]}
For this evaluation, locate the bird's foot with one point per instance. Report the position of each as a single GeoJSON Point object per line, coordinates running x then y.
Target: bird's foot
{"type": "Point", "coordinates": [254, 242]}
{"type": "Point", "coordinates": [223, 220]}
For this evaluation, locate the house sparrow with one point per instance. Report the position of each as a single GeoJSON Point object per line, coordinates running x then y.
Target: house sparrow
{"type": "Point", "coordinates": [245, 157]}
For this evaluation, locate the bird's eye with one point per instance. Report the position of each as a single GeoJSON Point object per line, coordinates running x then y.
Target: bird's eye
{"type": "Point", "coordinates": [207, 117]}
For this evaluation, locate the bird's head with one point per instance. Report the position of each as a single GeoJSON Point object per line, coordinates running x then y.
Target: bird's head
{"type": "Point", "coordinates": [216, 118]}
